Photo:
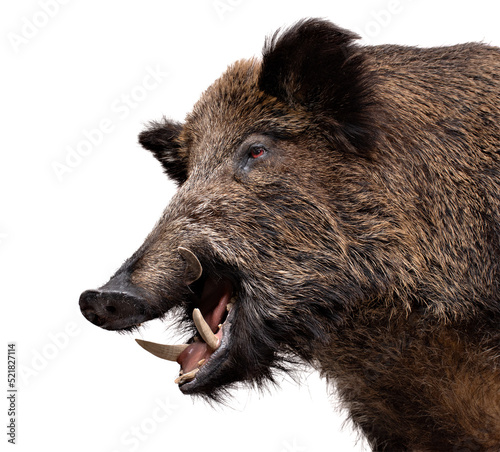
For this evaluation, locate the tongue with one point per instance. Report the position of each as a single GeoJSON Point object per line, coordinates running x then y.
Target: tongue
{"type": "Point", "coordinates": [190, 358]}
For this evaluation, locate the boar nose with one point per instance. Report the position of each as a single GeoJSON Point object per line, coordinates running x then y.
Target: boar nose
{"type": "Point", "coordinates": [112, 310]}
{"type": "Point", "coordinates": [115, 306]}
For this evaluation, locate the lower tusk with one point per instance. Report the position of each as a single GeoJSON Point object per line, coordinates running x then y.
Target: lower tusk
{"type": "Point", "coordinates": [204, 329]}
{"type": "Point", "coordinates": [168, 352]}
{"type": "Point", "coordinates": [186, 377]}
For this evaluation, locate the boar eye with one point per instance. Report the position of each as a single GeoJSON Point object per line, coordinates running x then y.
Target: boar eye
{"type": "Point", "coordinates": [257, 151]}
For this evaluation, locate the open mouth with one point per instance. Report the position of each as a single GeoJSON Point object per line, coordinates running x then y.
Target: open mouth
{"type": "Point", "coordinates": [207, 350]}
{"type": "Point", "coordinates": [209, 300]}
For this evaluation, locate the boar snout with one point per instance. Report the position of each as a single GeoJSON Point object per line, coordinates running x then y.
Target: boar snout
{"type": "Point", "coordinates": [117, 305]}
{"type": "Point", "coordinates": [122, 305]}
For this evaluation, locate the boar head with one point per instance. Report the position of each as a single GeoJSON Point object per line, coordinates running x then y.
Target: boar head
{"type": "Point", "coordinates": [261, 248]}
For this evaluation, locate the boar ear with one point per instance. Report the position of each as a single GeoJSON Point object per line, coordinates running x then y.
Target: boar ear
{"type": "Point", "coordinates": [162, 139]}
{"type": "Point", "coordinates": [316, 66]}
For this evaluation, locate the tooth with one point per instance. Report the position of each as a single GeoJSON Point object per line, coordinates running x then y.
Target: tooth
{"type": "Point", "coordinates": [201, 362]}
{"type": "Point", "coordinates": [204, 329]}
{"type": "Point", "coordinates": [193, 269]}
{"type": "Point", "coordinates": [186, 377]}
{"type": "Point", "coordinates": [168, 352]}
{"type": "Point", "coordinates": [229, 307]}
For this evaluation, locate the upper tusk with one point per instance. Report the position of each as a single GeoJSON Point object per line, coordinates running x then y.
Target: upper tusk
{"type": "Point", "coordinates": [169, 352]}
{"type": "Point", "coordinates": [204, 329]}
{"type": "Point", "coordinates": [194, 268]}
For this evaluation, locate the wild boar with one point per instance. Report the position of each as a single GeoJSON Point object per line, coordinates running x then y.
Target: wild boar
{"type": "Point", "coordinates": [338, 205]}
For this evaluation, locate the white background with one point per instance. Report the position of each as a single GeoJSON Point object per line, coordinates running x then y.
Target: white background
{"type": "Point", "coordinates": [63, 74]}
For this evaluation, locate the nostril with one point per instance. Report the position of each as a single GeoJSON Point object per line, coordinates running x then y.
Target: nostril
{"type": "Point", "coordinates": [114, 309]}
{"type": "Point", "coordinates": [88, 299]}
{"type": "Point", "coordinates": [93, 318]}
{"type": "Point", "coordinates": [111, 309]}
{"type": "Point", "coordinates": [89, 305]}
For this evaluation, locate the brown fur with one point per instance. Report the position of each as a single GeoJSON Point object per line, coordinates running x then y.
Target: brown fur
{"type": "Point", "coordinates": [366, 242]}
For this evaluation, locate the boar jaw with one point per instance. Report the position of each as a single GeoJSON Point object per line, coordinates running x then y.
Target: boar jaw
{"type": "Point", "coordinates": [205, 351]}
{"type": "Point", "coordinates": [200, 364]}
{"type": "Point", "coordinates": [200, 359]}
